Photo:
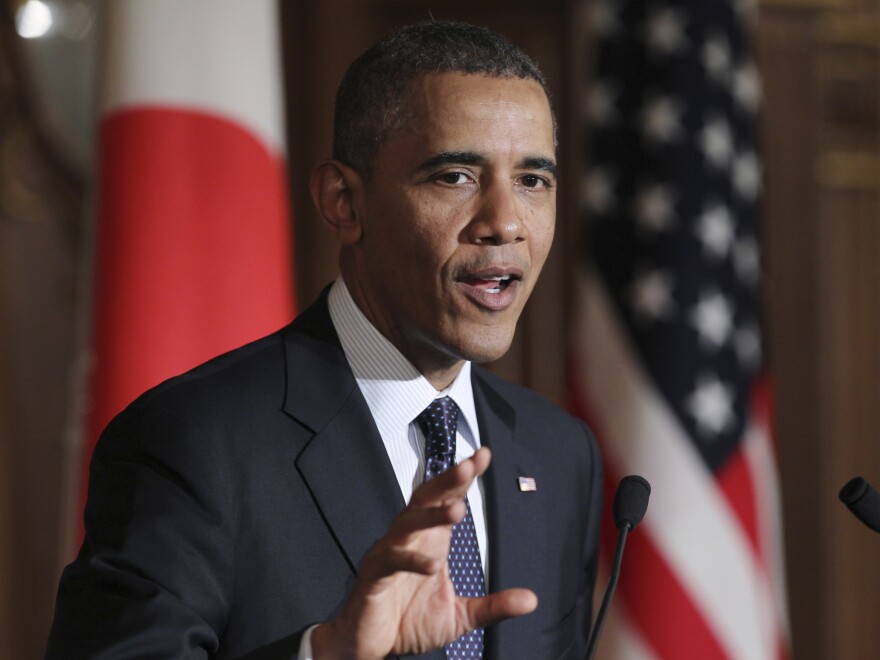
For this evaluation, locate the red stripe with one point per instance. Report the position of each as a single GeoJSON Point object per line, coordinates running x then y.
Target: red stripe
{"type": "Point", "coordinates": [660, 606]}
{"type": "Point", "coordinates": [761, 402]}
{"type": "Point", "coordinates": [193, 253]}
{"type": "Point", "coordinates": [735, 483]}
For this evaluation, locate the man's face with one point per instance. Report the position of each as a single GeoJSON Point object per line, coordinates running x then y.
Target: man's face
{"type": "Point", "coordinates": [457, 219]}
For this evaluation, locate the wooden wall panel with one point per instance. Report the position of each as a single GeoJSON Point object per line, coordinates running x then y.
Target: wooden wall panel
{"type": "Point", "coordinates": [821, 136]}
{"type": "Point", "coordinates": [790, 279]}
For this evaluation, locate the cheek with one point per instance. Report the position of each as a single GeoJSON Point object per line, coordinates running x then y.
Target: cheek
{"type": "Point", "coordinates": [435, 239]}
{"type": "Point", "coordinates": [541, 237]}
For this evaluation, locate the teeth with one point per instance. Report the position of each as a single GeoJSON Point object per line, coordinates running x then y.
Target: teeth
{"type": "Point", "coordinates": [497, 278]}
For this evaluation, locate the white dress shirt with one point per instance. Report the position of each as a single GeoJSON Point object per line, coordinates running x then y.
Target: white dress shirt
{"type": "Point", "coordinates": [396, 394]}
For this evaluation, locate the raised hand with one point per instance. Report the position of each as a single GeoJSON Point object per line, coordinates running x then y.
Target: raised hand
{"type": "Point", "coordinates": [403, 600]}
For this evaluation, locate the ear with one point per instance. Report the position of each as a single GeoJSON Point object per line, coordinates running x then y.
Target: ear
{"type": "Point", "coordinates": [333, 186]}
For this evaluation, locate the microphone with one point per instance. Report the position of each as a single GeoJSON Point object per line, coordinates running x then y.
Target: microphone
{"type": "Point", "coordinates": [863, 500]}
{"type": "Point", "coordinates": [630, 504]}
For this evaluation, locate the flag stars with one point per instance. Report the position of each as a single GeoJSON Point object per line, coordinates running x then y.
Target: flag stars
{"type": "Point", "coordinates": [651, 295]}
{"type": "Point", "coordinates": [716, 142]}
{"type": "Point", "coordinates": [715, 230]}
{"type": "Point", "coordinates": [712, 317]}
{"type": "Point", "coordinates": [717, 60]}
{"type": "Point", "coordinates": [674, 185]}
{"type": "Point", "coordinates": [747, 175]}
{"type": "Point", "coordinates": [604, 18]}
{"type": "Point", "coordinates": [654, 207]}
{"type": "Point", "coordinates": [747, 344]}
{"type": "Point", "coordinates": [745, 9]}
{"type": "Point", "coordinates": [664, 32]}
{"type": "Point", "coordinates": [747, 260]}
{"type": "Point", "coordinates": [711, 406]}
{"type": "Point", "coordinates": [747, 87]}
{"type": "Point", "coordinates": [598, 191]}
{"type": "Point", "coordinates": [661, 120]}
{"type": "Point", "coordinates": [600, 103]}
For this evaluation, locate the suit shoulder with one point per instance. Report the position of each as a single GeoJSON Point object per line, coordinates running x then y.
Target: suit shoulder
{"type": "Point", "coordinates": [236, 378]}
{"type": "Point", "coordinates": [530, 406]}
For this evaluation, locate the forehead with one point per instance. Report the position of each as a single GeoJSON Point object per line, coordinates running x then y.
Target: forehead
{"type": "Point", "coordinates": [457, 110]}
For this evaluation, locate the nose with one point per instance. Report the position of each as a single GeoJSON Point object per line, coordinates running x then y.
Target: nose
{"type": "Point", "coordinates": [498, 218]}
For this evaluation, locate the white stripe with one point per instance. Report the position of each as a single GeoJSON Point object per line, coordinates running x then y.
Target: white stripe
{"type": "Point", "coordinates": [217, 56]}
{"type": "Point", "coordinates": [759, 451]}
{"type": "Point", "coordinates": [689, 520]}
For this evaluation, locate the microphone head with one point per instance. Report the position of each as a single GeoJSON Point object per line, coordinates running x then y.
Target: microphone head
{"type": "Point", "coordinates": [631, 501]}
{"type": "Point", "coordinates": [863, 501]}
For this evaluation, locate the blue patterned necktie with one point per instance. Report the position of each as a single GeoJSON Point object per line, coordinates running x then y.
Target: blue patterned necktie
{"type": "Point", "coordinates": [439, 422]}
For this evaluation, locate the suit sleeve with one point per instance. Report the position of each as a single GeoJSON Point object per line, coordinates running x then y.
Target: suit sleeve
{"type": "Point", "coordinates": [154, 576]}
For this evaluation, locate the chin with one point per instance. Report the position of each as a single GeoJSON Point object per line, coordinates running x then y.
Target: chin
{"type": "Point", "coordinates": [486, 346]}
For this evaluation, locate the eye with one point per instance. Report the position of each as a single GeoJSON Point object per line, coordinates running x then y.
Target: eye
{"type": "Point", "coordinates": [453, 178]}
{"type": "Point", "coordinates": [533, 181]}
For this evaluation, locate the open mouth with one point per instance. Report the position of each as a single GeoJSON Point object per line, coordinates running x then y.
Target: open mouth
{"type": "Point", "coordinates": [494, 284]}
{"type": "Point", "coordinates": [494, 288]}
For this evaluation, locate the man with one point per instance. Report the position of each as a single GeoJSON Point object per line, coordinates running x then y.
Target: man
{"type": "Point", "coordinates": [273, 502]}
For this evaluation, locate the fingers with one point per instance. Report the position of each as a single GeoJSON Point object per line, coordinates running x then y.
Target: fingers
{"type": "Point", "coordinates": [501, 605]}
{"type": "Point", "coordinates": [414, 519]}
{"type": "Point", "coordinates": [394, 553]}
{"type": "Point", "coordinates": [439, 502]}
{"type": "Point", "coordinates": [481, 459]}
{"type": "Point", "coordinates": [391, 559]}
{"type": "Point", "coordinates": [454, 483]}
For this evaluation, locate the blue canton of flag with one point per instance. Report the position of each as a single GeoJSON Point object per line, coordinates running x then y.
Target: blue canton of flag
{"type": "Point", "coordinates": [672, 197]}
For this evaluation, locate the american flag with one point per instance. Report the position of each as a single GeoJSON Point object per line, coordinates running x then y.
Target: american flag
{"type": "Point", "coordinates": [666, 353]}
{"type": "Point", "coordinates": [527, 484]}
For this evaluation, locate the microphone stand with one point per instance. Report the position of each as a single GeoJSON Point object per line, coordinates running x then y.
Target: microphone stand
{"type": "Point", "coordinates": [609, 590]}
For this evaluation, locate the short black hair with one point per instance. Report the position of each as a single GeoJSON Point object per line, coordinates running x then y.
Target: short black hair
{"type": "Point", "coordinates": [371, 97]}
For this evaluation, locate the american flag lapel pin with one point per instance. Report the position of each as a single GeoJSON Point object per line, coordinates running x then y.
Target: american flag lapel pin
{"type": "Point", "coordinates": [527, 484]}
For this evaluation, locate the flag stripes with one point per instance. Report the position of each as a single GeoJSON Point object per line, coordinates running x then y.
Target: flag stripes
{"type": "Point", "coordinates": [667, 356]}
{"type": "Point", "coordinates": [691, 568]}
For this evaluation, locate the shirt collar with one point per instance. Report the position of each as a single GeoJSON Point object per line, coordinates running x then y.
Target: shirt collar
{"type": "Point", "coordinates": [395, 391]}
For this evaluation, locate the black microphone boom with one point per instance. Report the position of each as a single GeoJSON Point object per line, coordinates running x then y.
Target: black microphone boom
{"type": "Point", "coordinates": [630, 504]}
{"type": "Point", "coordinates": [863, 500]}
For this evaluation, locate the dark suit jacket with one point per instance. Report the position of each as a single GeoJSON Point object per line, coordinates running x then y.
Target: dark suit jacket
{"type": "Point", "coordinates": [230, 507]}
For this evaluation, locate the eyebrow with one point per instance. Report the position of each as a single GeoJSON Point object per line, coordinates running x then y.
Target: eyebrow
{"type": "Point", "coordinates": [539, 163]}
{"type": "Point", "coordinates": [453, 158]}
{"type": "Point", "coordinates": [474, 158]}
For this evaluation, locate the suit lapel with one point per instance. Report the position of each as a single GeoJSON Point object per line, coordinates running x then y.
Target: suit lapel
{"type": "Point", "coordinates": [516, 525]}
{"type": "Point", "coordinates": [344, 465]}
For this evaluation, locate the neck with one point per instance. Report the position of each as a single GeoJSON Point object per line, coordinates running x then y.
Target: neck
{"type": "Point", "coordinates": [441, 378]}
{"type": "Point", "coordinates": [437, 366]}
